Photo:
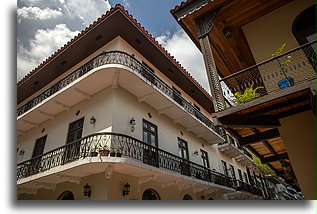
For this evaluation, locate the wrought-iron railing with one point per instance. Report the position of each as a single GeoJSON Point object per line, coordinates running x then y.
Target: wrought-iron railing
{"type": "Point", "coordinates": [122, 58]}
{"type": "Point", "coordinates": [286, 70]}
{"type": "Point", "coordinates": [125, 146]}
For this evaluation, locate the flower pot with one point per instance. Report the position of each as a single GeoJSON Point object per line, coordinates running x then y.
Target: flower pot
{"type": "Point", "coordinates": [104, 152]}
{"type": "Point", "coordinates": [112, 154]}
{"type": "Point", "coordinates": [93, 154]}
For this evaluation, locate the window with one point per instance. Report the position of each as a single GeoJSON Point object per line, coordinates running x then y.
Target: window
{"type": "Point", "coordinates": [232, 172]}
{"type": "Point", "coordinates": [183, 149]}
{"type": "Point", "coordinates": [204, 156]}
{"type": "Point", "coordinates": [150, 194]}
{"type": "Point", "coordinates": [75, 131]}
{"type": "Point", "coordinates": [150, 154]}
{"type": "Point", "coordinates": [187, 197]}
{"type": "Point", "coordinates": [177, 96]}
{"type": "Point", "coordinates": [39, 146]}
{"type": "Point", "coordinates": [150, 133]}
{"type": "Point", "coordinates": [183, 153]}
{"type": "Point", "coordinates": [224, 167]}
{"type": "Point", "coordinates": [245, 177]}
{"type": "Point", "coordinates": [240, 175]}
{"type": "Point", "coordinates": [35, 164]}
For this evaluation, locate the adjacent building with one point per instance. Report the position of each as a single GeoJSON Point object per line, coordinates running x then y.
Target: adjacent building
{"type": "Point", "coordinates": [113, 116]}
{"type": "Point", "coordinates": [260, 57]}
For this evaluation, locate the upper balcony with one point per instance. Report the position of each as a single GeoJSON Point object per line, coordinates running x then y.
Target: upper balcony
{"type": "Point", "coordinates": [129, 156]}
{"type": "Point", "coordinates": [277, 77]}
{"type": "Point", "coordinates": [103, 71]}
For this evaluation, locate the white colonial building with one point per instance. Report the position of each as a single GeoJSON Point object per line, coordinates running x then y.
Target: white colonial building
{"type": "Point", "coordinates": [112, 116]}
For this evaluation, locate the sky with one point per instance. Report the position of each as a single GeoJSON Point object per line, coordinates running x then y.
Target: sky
{"type": "Point", "coordinates": [43, 26]}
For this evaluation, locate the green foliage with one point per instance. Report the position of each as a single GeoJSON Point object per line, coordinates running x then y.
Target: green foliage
{"type": "Point", "coordinates": [263, 167]}
{"type": "Point", "coordinates": [248, 94]}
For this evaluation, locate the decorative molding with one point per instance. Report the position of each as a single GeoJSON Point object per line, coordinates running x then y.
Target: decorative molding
{"type": "Point", "coordinates": [45, 185]}
{"type": "Point", "coordinates": [31, 191]}
{"type": "Point", "coordinates": [178, 120]}
{"type": "Point", "coordinates": [142, 98]}
{"type": "Point", "coordinates": [51, 116]}
{"type": "Point", "coordinates": [30, 122]}
{"type": "Point", "coordinates": [146, 179]}
{"type": "Point", "coordinates": [68, 178]}
{"type": "Point", "coordinates": [83, 93]}
{"type": "Point", "coordinates": [164, 109]}
{"type": "Point", "coordinates": [115, 80]}
{"type": "Point", "coordinates": [109, 171]}
{"type": "Point", "coordinates": [64, 106]}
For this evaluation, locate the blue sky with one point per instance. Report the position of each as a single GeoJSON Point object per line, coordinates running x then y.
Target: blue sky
{"type": "Point", "coordinates": [43, 26]}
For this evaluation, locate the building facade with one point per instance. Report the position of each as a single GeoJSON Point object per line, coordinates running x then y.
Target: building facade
{"type": "Point", "coordinates": [112, 116]}
{"type": "Point", "coordinates": [260, 58]}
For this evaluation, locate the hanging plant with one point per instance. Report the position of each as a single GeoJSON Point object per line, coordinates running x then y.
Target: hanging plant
{"type": "Point", "coordinates": [248, 94]}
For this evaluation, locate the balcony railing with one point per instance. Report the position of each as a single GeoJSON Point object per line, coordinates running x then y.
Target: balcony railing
{"type": "Point", "coordinates": [284, 71]}
{"type": "Point", "coordinates": [122, 58]}
{"type": "Point", "coordinates": [126, 146]}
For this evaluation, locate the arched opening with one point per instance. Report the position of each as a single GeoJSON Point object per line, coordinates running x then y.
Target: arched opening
{"type": "Point", "coordinates": [150, 194]}
{"type": "Point", "coordinates": [67, 195]}
{"type": "Point", "coordinates": [187, 197]}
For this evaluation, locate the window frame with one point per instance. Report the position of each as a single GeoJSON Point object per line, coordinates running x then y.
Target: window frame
{"type": "Point", "coordinates": [150, 132]}
{"type": "Point", "coordinates": [205, 158]}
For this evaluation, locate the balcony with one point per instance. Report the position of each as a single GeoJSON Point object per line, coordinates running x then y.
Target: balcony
{"type": "Point", "coordinates": [229, 147]}
{"type": "Point", "coordinates": [101, 72]}
{"type": "Point", "coordinates": [285, 74]}
{"type": "Point", "coordinates": [64, 162]}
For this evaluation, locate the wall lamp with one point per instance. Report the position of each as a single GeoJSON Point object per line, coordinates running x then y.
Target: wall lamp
{"type": "Point", "coordinates": [87, 190]}
{"type": "Point", "coordinates": [21, 152]}
{"type": "Point", "coordinates": [196, 152]}
{"type": "Point", "coordinates": [92, 120]}
{"type": "Point", "coordinates": [126, 189]}
{"type": "Point", "coordinates": [132, 123]}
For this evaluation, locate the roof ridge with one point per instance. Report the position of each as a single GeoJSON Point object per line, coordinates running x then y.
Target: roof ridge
{"type": "Point", "coordinates": [130, 16]}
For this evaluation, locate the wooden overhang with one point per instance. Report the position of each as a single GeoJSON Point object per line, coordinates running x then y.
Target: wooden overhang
{"type": "Point", "coordinates": [116, 22]}
{"type": "Point", "coordinates": [256, 125]}
{"type": "Point", "coordinates": [230, 55]}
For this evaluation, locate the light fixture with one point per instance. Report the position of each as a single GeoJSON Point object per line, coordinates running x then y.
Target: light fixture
{"type": "Point", "coordinates": [149, 114]}
{"type": "Point", "coordinates": [77, 112]}
{"type": "Point", "coordinates": [43, 130]}
{"type": "Point", "coordinates": [21, 152]}
{"type": "Point", "coordinates": [227, 32]}
{"type": "Point", "coordinates": [87, 190]}
{"type": "Point", "coordinates": [92, 120]}
{"type": "Point", "coordinates": [126, 189]}
{"type": "Point", "coordinates": [196, 152]}
{"type": "Point", "coordinates": [132, 121]}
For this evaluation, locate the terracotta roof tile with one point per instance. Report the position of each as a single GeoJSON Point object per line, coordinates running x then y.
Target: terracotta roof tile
{"type": "Point", "coordinates": [117, 6]}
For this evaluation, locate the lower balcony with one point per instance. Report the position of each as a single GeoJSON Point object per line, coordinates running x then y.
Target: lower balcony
{"type": "Point", "coordinates": [128, 156]}
{"type": "Point", "coordinates": [229, 147]}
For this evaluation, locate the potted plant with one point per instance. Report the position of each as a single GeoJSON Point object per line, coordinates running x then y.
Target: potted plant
{"type": "Point", "coordinates": [119, 152]}
{"type": "Point", "coordinates": [93, 152]}
{"type": "Point", "coordinates": [112, 152]}
{"type": "Point", "coordinates": [104, 151]}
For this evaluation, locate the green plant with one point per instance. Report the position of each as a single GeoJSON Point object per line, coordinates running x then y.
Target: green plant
{"type": "Point", "coordinates": [248, 94]}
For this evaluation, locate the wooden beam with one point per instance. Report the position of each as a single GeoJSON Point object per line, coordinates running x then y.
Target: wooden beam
{"type": "Point", "coordinates": [274, 158]}
{"type": "Point", "coordinates": [255, 152]}
{"type": "Point", "coordinates": [243, 122]}
{"type": "Point", "coordinates": [259, 137]}
{"type": "Point", "coordinates": [294, 111]}
{"type": "Point", "coordinates": [266, 143]}
{"type": "Point", "coordinates": [279, 105]}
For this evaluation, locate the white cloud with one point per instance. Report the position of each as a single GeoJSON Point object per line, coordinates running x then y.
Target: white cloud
{"type": "Point", "coordinates": [184, 50]}
{"type": "Point", "coordinates": [44, 43]}
{"type": "Point", "coordinates": [89, 10]}
{"type": "Point", "coordinates": [37, 13]}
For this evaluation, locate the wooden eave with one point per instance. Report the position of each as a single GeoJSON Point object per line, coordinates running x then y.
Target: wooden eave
{"type": "Point", "coordinates": [234, 54]}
